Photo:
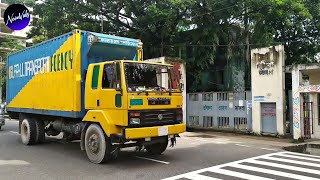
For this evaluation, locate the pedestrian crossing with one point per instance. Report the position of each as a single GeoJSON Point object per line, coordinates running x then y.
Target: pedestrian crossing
{"type": "Point", "coordinates": [279, 165]}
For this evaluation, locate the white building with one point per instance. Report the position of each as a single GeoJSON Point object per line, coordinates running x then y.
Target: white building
{"type": "Point", "coordinates": [268, 90]}
{"type": "Point", "coordinates": [305, 100]}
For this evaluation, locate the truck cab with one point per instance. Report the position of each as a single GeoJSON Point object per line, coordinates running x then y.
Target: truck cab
{"type": "Point", "coordinates": [135, 101]}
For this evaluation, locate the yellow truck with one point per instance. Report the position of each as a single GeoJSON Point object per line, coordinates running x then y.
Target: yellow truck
{"type": "Point", "coordinates": [97, 89]}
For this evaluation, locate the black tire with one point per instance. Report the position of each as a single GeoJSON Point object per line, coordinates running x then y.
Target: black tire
{"type": "Point", "coordinates": [0, 127]}
{"type": "Point", "coordinates": [28, 131]}
{"type": "Point", "coordinates": [158, 148]}
{"type": "Point", "coordinates": [40, 131]}
{"type": "Point", "coordinates": [97, 145]}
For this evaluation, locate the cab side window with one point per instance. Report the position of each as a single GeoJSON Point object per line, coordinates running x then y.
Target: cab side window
{"type": "Point", "coordinates": [109, 77]}
{"type": "Point", "coordinates": [95, 76]}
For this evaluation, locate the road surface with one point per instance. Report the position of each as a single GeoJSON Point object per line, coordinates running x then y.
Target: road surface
{"type": "Point", "coordinates": [194, 157]}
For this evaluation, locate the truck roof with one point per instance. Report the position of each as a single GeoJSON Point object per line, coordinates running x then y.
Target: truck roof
{"type": "Point", "coordinates": [145, 62]}
{"type": "Point", "coordinates": [97, 37]}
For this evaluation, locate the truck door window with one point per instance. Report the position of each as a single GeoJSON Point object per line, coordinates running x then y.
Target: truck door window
{"type": "Point", "coordinates": [109, 77]}
{"type": "Point", "coordinates": [95, 76]}
{"type": "Point", "coordinates": [118, 77]}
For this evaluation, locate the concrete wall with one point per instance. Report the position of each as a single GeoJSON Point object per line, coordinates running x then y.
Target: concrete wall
{"type": "Point", "coordinates": [316, 126]}
{"type": "Point", "coordinates": [226, 110]}
{"type": "Point", "coordinates": [296, 97]}
{"type": "Point", "coordinates": [268, 84]}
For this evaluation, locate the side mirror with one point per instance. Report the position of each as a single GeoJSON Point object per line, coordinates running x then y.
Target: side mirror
{"type": "Point", "coordinates": [181, 87]}
{"type": "Point", "coordinates": [119, 89]}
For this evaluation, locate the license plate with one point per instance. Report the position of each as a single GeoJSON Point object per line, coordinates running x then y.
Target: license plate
{"type": "Point", "coordinates": [163, 131]}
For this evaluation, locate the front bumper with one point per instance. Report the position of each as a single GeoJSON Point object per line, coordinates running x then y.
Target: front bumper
{"type": "Point", "coordinates": [147, 132]}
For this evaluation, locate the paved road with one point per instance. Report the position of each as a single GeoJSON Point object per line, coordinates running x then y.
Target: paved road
{"type": "Point", "coordinates": [193, 157]}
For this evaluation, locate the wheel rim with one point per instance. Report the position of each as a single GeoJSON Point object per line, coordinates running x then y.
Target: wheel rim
{"type": "Point", "coordinates": [94, 143]}
{"type": "Point", "coordinates": [24, 132]}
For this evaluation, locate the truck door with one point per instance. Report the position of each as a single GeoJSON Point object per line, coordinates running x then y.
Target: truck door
{"type": "Point", "coordinates": [110, 97]}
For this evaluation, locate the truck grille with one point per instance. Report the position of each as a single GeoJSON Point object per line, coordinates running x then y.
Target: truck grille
{"type": "Point", "coordinates": [156, 117]}
{"type": "Point", "coordinates": [159, 101]}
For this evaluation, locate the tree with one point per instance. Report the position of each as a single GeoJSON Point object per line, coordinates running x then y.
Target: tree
{"type": "Point", "coordinates": [57, 17]}
{"type": "Point", "coordinates": [210, 29]}
{"type": "Point", "coordinates": [292, 23]}
{"type": "Point", "coordinates": [26, 2]}
{"type": "Point", "coordinates": [8, 45]}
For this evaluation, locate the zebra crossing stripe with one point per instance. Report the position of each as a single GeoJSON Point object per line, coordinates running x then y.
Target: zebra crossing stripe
{"type": "Point", "coordinates": [237, 174]}
{"type": "Point", "coordinates": [201, 177]}
{"type": "Point", "coordinates": [299, 157]}
{"type": "Point", "coordinates": [273, 172]}
{"type": "Point", "coordinates": [300, 169]}
{"type": "Point", "coordinates": [294, 162]}
{"type": "Point", "coordinates": [302, 155]}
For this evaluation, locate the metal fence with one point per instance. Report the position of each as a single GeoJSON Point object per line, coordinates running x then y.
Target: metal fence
{"type": "Point", "coordinates": [220, 110]}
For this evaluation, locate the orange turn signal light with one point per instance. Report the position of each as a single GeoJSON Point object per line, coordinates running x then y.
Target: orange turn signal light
{"type": "Point", "coordinates": [135, 114]}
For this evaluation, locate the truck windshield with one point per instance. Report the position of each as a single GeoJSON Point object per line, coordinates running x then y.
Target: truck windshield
{"type": "Point", "coordinates": [150, 77]}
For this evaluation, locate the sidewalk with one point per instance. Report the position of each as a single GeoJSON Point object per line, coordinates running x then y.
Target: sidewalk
{"type": "Point", "coordinates": [263, 140]}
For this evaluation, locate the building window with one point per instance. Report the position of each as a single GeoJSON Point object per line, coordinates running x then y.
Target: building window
{"type": "Point", "coordinates": [223, 122]}
{"type": "Point", "coordinates": [207, 97]}
{"type": "Point", "coordinates": [240, 122]}
{"type": "Point", "coordinates": [193, 97]}
{"type": "Point", "coordinates": [222, 96]}
{"type": "Point", "coordinates": [207, 121]}
{"type": "Point", "coordinates": [194, 121]}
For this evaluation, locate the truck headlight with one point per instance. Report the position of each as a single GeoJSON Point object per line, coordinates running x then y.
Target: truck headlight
{"type": "Point", "coordinates": [134, 120]}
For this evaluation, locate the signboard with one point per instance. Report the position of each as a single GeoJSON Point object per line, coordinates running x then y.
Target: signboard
{"type": "Point", "coordinates": [259, 98]}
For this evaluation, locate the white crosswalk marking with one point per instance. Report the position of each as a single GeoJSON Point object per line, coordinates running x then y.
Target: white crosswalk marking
{"type": "Point", "coordinates": [299, 157]}
{"type": "Point", "coordinates": [277, 165]}
{"type": "Point", "coordinates": [238, 174]}
{"type": "Point", "coordinates": [201, 177]}
{"type": "Point", "coordinates": [311, 171]}
{"type": "Point", "coordinates": [279, 173]}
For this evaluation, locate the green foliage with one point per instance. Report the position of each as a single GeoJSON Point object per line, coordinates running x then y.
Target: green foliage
{"type": "Point", "coordinates": [26, 2]}
{"type": "Point", "coordinates": [292, 23]}
{"type": "Point", "coordinates": [208, 32]}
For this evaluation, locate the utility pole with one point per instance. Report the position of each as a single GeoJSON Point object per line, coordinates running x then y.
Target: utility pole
{"type": "Point", "coordinates": [1, 63]}
{"type": "Point", "coordinates": [101, 24]}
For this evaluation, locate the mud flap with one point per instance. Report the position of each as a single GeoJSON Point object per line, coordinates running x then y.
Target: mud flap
{"type": "Point", "coordinates": [173, 141]}
{"type": "Point", "coordinates": [82, 138]}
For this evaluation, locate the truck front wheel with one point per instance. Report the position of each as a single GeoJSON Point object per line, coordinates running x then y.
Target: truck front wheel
{"type": "Point", "coordinates": [97, 145]}
{"type": "Point", "coordinates": [158, 148]}
{"type": "Point", "coordinates": [28, 131]}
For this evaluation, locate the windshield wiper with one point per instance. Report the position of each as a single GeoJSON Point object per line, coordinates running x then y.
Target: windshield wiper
{"type": "Point", "coordinates": [160, 89]}
{"type": "Point", "coordinates": [147, 93]}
